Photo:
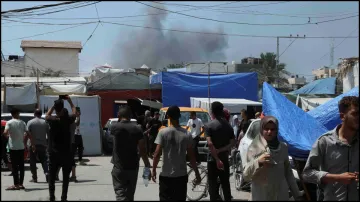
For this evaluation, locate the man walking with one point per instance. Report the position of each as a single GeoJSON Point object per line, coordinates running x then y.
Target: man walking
{"type": "Point", "coordinates": [79, 146]}
{"type": "Point", "coordinates": [59, 149]}
{"type": "Point", "coordinates": [16, 130]}
{"type": "Point", "coordinates": [174, 142]}
{"type": "Point", "coordinates": [128, 138]}
{"type": "Point", "coordinates": [333, 161]}
{"type": "Point", "coordinates": [37, 129]}
{"type": "Point", "coordinates": [220, 138]}
{"type": "Point", "coordinates": [153, 125]}
{"type": "Point", "coordinates": [196, 125]}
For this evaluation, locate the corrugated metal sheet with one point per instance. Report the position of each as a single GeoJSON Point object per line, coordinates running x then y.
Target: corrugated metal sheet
{"type": "Point", "coordinates": [50, 44]}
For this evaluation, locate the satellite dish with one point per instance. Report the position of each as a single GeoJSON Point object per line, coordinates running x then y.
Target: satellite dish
{"type": "Point", "coordinates": [233, 62]}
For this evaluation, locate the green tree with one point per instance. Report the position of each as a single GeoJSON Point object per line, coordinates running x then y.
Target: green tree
{"type": "Point", "coordinates": [47, 73]}
{"type": "Point", "coordinates": [269, 73]}
{"type": "Point", "coordinates": [175, 66]}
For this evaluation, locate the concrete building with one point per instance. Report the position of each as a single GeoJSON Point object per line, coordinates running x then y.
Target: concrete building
{"type": "Point", "coordinates": [215, 67]}
{"type": "Point", "coordinates": [43, 55]}
{"type": "Point", "coordinates": [14, 66]}
{"type": "Point", "coordinates": [324, 72]}
{"type": "Point", "coordinates": [296, 82]}
{"type": "Point", "coordinates": [349, 73]}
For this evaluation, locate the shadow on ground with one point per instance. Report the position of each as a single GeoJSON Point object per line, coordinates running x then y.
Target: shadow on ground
{"type": "Point", "coordinates": [35, 189]}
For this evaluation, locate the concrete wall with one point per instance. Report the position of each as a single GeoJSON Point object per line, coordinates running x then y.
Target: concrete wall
{"type": "Point", "coordinates": [12, 68]}
{"type": "Point", "coordinates": [66, 60]}
{"type": "Point", "coordinates": [351, 79]}
{"type": "Point", "coordinates": [214, 68]}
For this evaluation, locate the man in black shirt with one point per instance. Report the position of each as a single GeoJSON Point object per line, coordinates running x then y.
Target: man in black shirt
{"type": "Point", "coordinates": [59, 146]}
{"type": "Point", "coordinates": [220, 138]}
{"type": "Point", "coordinates": [128, 138]}
{"type": "Point", "coordinates": [154, 125]}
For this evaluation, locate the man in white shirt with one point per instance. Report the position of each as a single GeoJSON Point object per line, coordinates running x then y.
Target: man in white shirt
{"type": "Point", "coordinates": [195, 124]}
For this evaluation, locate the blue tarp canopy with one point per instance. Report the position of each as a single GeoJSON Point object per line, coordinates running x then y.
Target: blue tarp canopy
{"type": "Point", "coordinates": [177, 87]}
{"type": "Point", "coordinates": [297, 129]}
{"type": "Point", "coordinates": [322, 86]}
{"type": "Point", "coordinates": [328, 113]}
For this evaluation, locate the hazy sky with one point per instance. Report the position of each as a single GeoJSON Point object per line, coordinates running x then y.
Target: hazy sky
{"type": "Point", "coordinates": [109, 43]}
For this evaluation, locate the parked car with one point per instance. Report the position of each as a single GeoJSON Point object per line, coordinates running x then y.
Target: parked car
{"type": "Point", "coordinates": [185, 116]}
{"type": "Point", "coordinates": [253, 130]}
{"type": "Point", "coordinates": [107, 139]}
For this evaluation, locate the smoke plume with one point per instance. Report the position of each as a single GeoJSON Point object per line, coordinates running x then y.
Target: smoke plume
{"type": "Point", "coordinates": [158, 49]}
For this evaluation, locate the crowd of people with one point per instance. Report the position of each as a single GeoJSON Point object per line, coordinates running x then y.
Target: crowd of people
{"type": "Point", "coordinates": [54, 142]}
{"type": "Point", "coordinates": [333, 163]}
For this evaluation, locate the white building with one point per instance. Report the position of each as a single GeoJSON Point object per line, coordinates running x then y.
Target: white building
{"type": "Point", "coordinates": [296, 82]}
{"type": "Point", "coordinates": [56, 55]}
{"type": "Point", "coordinates": [43, 55]}
{"type": "Point", "coordinates": [349, 71]}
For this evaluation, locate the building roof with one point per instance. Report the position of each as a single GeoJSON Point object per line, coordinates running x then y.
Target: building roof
{"type": "Point", "coordinates": [51, 44]}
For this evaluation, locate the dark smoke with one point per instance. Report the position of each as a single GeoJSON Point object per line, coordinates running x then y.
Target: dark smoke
{"type": "Point", "coordinates": [157, 49]}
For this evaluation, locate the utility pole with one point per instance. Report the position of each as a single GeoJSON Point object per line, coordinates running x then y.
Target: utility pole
{"type": "Point", "coordinates": [38, 87]}
{"type": "Point", "coordinates": [209, 85]}
{"type": "Point", "coordinates": [278, 50]}
{"type": "Point", "coordinates": [4, 106]}
{"type": "Point", "coordinates": [332, 48]}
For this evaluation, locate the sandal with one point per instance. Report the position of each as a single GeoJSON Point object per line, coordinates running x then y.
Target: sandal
{"type": "Point", "coordinates": [21, 187]}
{"type": "Point", "coordinates": [12, 188]}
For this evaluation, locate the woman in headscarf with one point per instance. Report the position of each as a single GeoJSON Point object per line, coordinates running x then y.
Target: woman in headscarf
{"type": "Point", "coordinates": [268, 167]}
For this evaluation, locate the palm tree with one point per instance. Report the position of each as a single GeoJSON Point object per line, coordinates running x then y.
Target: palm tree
{"type": "Point", "coordinates": [269, 73]}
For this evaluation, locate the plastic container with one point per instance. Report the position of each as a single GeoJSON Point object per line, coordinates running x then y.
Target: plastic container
{"type": "Point", "coordinates": [146, 175]}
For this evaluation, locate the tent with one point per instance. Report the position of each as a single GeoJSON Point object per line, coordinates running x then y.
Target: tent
{"type": "Point", "coordinates": [321, 86]}
{"type": "Point", "coordinates": [328, 113]}
{"type": "Point", "coordinates": [296, 128]}
{"type": "Point", "coordinates": [311, 103]}
{"type": "Point", "coordinates": [177, 87]}
{"type": "Point", "coordinates": [233, 105]}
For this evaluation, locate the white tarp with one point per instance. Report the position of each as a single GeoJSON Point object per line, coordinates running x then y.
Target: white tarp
{"type": "Point", "coordinates": [101, 72]}
{"type": "Point", "coordinates": [69, 89]}
{"type": "Point", "coordinates": [311, 103]}
{"type": "Point", "coordinates": [233, 105]}
{"type": "Point", "coordinates": [351, 79]}
{"type": "Point", "coordinates": [90, 119]}
{"type": "Point", "coordinates": [21, 95]}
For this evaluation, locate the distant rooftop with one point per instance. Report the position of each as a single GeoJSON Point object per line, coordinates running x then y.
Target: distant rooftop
{"type": "Point", "coordinates": [51, 44]}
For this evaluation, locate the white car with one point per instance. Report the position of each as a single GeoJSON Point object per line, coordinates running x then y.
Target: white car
{"type": "Point", "coordinates": [107, 139]}
{"type": "Point", "coordinates": [253, 130]}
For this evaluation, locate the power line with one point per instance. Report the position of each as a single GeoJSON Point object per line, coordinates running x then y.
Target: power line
{"type": "Point", "coordinates": [340, 42]}
{"type": "Point", "coordinates": [244, 23]}
{"type": "Point", "coordinates": [221, 34]}
{"type": "Point", "coordinates": [279, 15]}
{"type": "Point", "coordinates": [42, 33]}
{"type": "Point", "coordinates": [219, 5]}
{"type": "Point", "coordinates": [287, 47]}
{"type": "Point", "coordinates": [36, 7]}
{"type": "Point", "coordinates": [52, 11]}
{"type": "Point", "coordinates": [42, 23]}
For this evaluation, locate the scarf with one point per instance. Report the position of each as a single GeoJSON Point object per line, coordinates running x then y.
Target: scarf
{"type": "Point", "coordinates": [274, 143]}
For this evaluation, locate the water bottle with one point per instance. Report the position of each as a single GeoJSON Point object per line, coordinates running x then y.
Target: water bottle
{"type": "Point", "coordinates": [146, 175]}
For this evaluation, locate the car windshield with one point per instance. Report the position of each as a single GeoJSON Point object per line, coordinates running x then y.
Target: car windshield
{"type": "Point", "coordinates": [253, 130]}
{"type": "Point", "coordinates": [185, 116]}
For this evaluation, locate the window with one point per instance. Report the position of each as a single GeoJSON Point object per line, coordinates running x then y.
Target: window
{"type": "Point", "coordinates": [185, 116]}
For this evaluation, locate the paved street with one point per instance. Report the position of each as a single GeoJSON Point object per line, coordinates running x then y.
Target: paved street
{"type": "Point", "coordinates": [94, 184]}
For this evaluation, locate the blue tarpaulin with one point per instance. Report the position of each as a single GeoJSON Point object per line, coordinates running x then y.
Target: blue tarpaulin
{"type": "Point", "coordinates": [177, 87]}
{"type": "Point", "coordinates": [328, 113]}
{"type": "Point", "coordinates": [297, 129]}
{"type": "Point", "coordinates": [321, 86]}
